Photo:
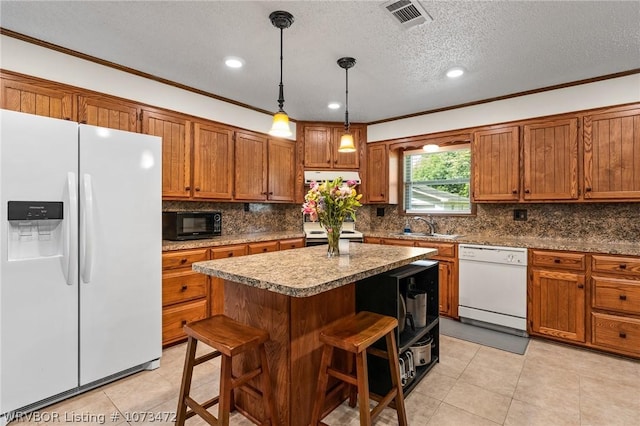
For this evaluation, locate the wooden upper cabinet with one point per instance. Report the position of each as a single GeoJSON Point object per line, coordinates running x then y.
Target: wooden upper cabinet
{"type": "Point", "coordinates": [346, 160]}
{"type": "Point", "coordinates": [107, 112]}
{"type": "Point", "coordinates": [212, 162]}
{"type": "Point", "coordinates": [321, 143]}
{"type": "Point", "coordinates": [282, 170]}
{"type": "Point", "coordinates": [377, 177]}
{"type": "Point", "coordinates": [550, 158]}
{"type": "Point", "coordinates": [175, 131]}
{"type": "Point", "coordinates": [47, 100]}
{"type": "Point", "coordinates": [251, 167]}
{"type": "Point", "coordinates": [612, 155]}
{"type": "Point", "coordinates": [495, 158]}
{"type": "Point", "coordinates": [317, 147]}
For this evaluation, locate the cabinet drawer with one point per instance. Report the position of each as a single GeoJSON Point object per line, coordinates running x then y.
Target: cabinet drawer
{"type": "Point", "coordinates": [444, 249]}
{"type": "Point", "coordinates": [616, 294]}
{"type": "Point", "coordinates": [265, 247]}
{"type": "Point", "coordinates": [393, 242]}
{"type": "Point", "coordinates": [616, 332]}
{"type": "Point", "coordinates": [554, 259]}
{"type": "Point", "coordinates": [616, 264]}
{"type": "Point", "coordinates": [183, 258]}
{"type": "Point", "coordinates": [182, 286]}
{"type": "Point", "coordinates": [292, 243]}
{"type": "Point", "coordinates": [229, 251]}
{"type": "Point", "coordinates": [175, 317]}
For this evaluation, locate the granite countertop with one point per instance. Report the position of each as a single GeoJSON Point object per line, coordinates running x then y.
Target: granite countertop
{"type": "Point", "coordinates": [307, 271]}
{"type": "Point", "coordinates": [588, 246]}
{"type": "Point", "coordinates": [230, 239]}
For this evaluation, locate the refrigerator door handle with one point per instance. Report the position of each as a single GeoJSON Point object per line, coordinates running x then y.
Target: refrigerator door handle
{"type": "Point", "coordinates": [87, 229]}
{"type": "Point", "coordinates": [70, 250]}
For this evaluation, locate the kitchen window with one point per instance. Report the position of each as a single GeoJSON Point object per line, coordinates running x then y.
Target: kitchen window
{"type": "Point", "coordinates": [437, 182]}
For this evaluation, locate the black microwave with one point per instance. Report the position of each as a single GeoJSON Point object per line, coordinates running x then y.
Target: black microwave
{"type": "Point", "coordinates": [178, 226]}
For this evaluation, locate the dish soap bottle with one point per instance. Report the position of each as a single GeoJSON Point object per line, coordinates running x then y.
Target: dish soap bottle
{"type": "Point", "coordinates": [407, 227]}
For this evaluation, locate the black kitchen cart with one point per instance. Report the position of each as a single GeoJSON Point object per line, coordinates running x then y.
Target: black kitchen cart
{"type": "Point", "coordinates": [381, 294]}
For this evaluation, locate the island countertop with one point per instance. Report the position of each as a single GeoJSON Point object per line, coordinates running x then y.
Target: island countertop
{"type": "Point", "coordinates": [307, 271]}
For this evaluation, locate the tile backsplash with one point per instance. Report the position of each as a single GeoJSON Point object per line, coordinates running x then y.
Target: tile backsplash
{"type": "Point", "coordinates": [610, 222]}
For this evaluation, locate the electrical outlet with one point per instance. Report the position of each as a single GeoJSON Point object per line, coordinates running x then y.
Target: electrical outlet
{"type": "Point", "coordinates": [246, 207]}
{"type": "Point", "coordinates": [520, 214]}
{"type": "Point", "coordinates": [380, 211]}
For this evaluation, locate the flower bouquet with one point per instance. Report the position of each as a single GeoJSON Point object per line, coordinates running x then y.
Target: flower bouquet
{"type": "Point", "coordinates": [329, 203]}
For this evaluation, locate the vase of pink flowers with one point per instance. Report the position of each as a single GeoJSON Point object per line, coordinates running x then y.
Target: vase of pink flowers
{"type": "Point", "coordinates": [330, 203]}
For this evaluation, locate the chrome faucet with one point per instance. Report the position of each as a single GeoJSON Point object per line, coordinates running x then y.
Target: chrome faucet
{"type": "Point", "coordinates": [430, 222]}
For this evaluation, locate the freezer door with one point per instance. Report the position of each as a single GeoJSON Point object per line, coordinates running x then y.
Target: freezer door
{"type": "Point", "coordinates": [120, 251]}
{"type": "Point", "coordinates": [38, 279]}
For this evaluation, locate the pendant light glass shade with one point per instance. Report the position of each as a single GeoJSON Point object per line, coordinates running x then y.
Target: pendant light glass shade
{"type": "Point", "coordinates": [280, 127]}
{"type": "Point", "coordinates": [346, 141]}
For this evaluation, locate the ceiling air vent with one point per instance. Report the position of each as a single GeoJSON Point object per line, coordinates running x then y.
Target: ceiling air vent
{"type": "Point", "coordinates": [408, 13]}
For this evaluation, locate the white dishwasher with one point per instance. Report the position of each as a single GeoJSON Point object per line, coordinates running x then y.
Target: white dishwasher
{"type": "Point", "coordinates": [493, 287]}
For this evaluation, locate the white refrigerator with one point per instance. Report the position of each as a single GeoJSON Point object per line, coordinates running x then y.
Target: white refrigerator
{"type": "Point", "coordinates": [80, 258]}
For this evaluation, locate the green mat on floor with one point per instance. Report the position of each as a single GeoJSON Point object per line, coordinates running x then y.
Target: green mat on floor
{"type": "Point", "coordinates": [483, 336]}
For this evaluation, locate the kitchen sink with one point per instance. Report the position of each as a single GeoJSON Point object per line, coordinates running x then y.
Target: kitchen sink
{"type": "Point", "coordinates": [412, 234]}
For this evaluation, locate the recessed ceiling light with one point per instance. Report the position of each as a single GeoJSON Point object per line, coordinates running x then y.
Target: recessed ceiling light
{"type": "Point", "coordinates": [455, 72]}
{"type": "Point", "coordinates": [334, 105]}
{"type": "Point", "coordinates": [234, 62]}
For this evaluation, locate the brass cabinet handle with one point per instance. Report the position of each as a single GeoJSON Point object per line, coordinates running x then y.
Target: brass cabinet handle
{"type": "Point", "coordinates": [197, 188]}
{"type": "Point", "coordinates": [515, 191]}
{"type": "Point", "coordinates": [183, 260]}
{"type": "Point", "coordinates": [556, 260]}
{"type": "Point", "coordinates": [588, 189]}
{"type": "Point", "coordinates": [623, 297]}
{"type": "Point", "coordinates": [580, 285]}
{"type": "Point", "coordinates": [622, 266]}
{"type": "Point", "coordinates": [183, 322]}
{"type": "Point", "coordinates": [230, 254]}
{"type": "Point", "coordinates": [622, 335]}
{"type": "Point", "coordinates": [183, 288]}
{"type": "Point", "coordinates": [187, 188]}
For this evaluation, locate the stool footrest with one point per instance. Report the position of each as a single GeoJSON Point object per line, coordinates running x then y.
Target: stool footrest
{"type": "Point", "coordinates": [378, 352]}
{"type": "Point", "coordinates": [342, 376]}
{"type": "Point", "coordinates": [384, 402]}
{"type": "Point", "coordinates": [200, 410]}
{"type": "Point", "coordinates": [240, 381]}
{"type": "Point", "coordinates": [206, 357]}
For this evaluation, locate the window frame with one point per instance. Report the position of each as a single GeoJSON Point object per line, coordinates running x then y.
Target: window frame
{"type": "Point", "coordinates": [443, 148]}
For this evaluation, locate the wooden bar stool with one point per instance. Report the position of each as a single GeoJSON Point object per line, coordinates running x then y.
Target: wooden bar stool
{"type": "Point", "coordinates": [228, 338]}
{"type": "Point", "coordinates": [356, 334]}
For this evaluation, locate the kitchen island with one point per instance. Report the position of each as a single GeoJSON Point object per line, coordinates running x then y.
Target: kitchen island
{"type": "Point", "coordinates": [293, 294]}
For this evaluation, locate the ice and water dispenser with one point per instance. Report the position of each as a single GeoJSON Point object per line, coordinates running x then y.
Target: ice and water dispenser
{"type": "Point", "coordinates": [35, 229]}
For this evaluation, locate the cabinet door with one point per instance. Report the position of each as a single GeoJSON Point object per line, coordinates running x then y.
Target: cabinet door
{"type": "Point", "coordinates": [557, 305]}
{"type": "Point", "coordinates": [106, 112]}
{"type": "Point", "coordinates": [551, 160]}
{"type": "Point", "coordinates": [495, 160]}
{"type": "Point", "coordinates": [212, 162]}
{"type": "Point", "coordinates": [377, 178]}
{"type": "Point", "coordinates": [251, 167]}
{"type": "Point", "coordinates": [45, 100]}
{"type": "Point", "coordinates": [612, 155]}
{"type": "Point", "coordinates": [346, 160]}
{"type": "Point", "coordinates": [281, 164]}
{"type": "Point", "coordinates": [175, 131]}
{"type": "Point", "coordinates": [317, 147]}
{"type": "Point", "coordinates": [444, 286]}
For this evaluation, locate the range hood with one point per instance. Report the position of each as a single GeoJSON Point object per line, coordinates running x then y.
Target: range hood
{"type": "Point", "coordinates": [322, 175]}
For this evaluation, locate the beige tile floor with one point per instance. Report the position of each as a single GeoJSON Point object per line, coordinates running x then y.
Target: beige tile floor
{"type": "Point", "coordinates": [551, 384]}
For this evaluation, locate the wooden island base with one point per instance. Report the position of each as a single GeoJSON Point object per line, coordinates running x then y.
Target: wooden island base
{"type": "Point", "coordinates": [294, 351]}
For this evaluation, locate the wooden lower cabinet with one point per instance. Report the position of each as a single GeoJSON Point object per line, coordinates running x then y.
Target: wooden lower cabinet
{"type": "Point", "coordinates": [176, 316]}
{"type": "Point", "coordinates": [265, 247]}
{"type": "Point", "coordinates": [557, 304]}
{"type": "Point", "coordinates": [292, 243]}
{"type": "Point", "coordinates": [615, 304]}
{"type": "Point", "coordinates": [185, 294]}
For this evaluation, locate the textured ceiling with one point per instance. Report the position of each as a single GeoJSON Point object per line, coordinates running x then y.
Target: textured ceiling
{"type": "Point", "coordinates": [506, 47]}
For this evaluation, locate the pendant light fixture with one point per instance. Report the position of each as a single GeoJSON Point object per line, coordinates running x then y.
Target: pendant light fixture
{"type": "Point", "coordinates": [346, 141]}
{"type": "Point", "coordinates": [280, 127]}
